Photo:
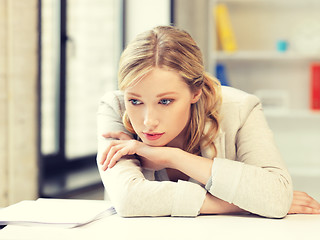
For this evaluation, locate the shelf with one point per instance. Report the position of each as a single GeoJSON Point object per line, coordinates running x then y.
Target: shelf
{"type": "Point", "coordinates": [305, 171]}
{"type": "Point", "coordinates": [263, 55]}
{"type": "Point", "coordinates": [266, 1]}
{"type": "Point", "coordinates": [258, 25]}
{"type": "Point", "coordinates": [292, 113]}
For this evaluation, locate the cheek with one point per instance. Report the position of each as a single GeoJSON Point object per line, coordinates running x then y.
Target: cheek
{"type": "Point", "coordinates": [134, 116]}
{"type": "Point", "coordinates": [181, 115]}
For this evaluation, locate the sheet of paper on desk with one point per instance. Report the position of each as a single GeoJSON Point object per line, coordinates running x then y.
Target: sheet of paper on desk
{"type": "Point", "coordinates": [55, 212]}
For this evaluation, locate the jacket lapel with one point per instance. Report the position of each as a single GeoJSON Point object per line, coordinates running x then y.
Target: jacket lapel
{"type": "Point", "coordinates": [219, 143]}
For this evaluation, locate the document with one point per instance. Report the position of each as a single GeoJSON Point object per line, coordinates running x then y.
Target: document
{"type": "Point", "coordinates": [68, 213]}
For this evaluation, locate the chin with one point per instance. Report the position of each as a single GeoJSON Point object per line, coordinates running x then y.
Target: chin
{"type": "Point", "coordinates": [154, 143]}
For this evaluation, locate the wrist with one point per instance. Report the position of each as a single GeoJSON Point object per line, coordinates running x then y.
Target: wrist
{"type": "Point", "coordinates": [214, 205]}
{"type": "Point", "coordinates": [171, 157]}
{"type": "Point", "coordinates": [142, 149]}
{"type": "Point", "coordinates": [155, 158]}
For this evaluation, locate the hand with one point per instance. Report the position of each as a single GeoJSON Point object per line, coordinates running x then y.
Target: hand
{"type": "Point", "coordinates": [304, 204]}
{"type": "Point", "coordinates": [214, 205]}
{"type": "Point", "coordinates": [117, 135]}
{"type": "Point", "coordinates": [150, 157]}
{"type": "Point", "coordinates": [152, 165]}
{"type": "Point", "coordinates": [124, 145]}
{"type": "Point", "coordinates": [116, 150]}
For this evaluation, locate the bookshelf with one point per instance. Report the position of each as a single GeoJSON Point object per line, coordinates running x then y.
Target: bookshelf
{"type": "Point", "coordinates": [258, 65]}
{"type": "Point", "coordinates": [263, 55]}
{"type": "Point", "coordinates": [258, 25]}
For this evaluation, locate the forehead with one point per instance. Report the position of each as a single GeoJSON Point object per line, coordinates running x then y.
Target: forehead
{"type": "Point", "coordinates": [159, 80]}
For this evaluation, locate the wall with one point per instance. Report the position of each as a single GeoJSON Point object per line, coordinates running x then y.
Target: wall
{"type": "Point", "coordinates": [18, 100]}
{"type": "Point", "coordinates": [143, 15]}
{"type": "Point", "coordinates": [3, 104]}
{"type": "Point", "coordinates": [192, 16]}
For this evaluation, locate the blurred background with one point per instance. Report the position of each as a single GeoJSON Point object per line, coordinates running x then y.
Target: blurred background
{"type": "Point", "coordinates": [58, 57]}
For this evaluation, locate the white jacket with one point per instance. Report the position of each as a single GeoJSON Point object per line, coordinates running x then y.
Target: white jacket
{"type": "Point", "coordinates": [248, 170]}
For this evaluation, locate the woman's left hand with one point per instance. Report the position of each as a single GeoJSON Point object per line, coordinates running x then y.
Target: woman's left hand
{"type": "Point", "coordinates": [304, 204]}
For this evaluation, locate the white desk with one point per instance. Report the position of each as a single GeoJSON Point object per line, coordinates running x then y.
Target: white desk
{"type": "Point", "coordinates": [203, 227]}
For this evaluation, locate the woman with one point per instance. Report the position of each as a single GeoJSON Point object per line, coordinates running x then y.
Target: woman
{"type": "Point", "coordinates": [174, 142]}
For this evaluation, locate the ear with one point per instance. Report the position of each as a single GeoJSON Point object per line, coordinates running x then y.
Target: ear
{"type": "Point", "coordinates": [196, 96]}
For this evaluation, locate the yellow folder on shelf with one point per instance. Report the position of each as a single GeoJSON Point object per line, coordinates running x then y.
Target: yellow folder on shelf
{"type": "Point", "coordinates": [225, 32]}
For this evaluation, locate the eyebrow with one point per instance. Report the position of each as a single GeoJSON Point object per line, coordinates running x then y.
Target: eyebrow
{"type": "Point", "coordinates": [159, 95]}
{"type": "Point", "coordinates": [166, 93]}
{"type": "Point", "coordinates": [134, 94]}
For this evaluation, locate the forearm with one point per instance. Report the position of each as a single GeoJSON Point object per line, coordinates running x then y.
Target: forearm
{"type": "Point", "coordinates": [196, 167]}
{"type": "Point", "coordinates": [199, 168]}
{"type": "Point", "coordinates": [155, 198]}
{"type": "Point", "coordinates": [214, 205]}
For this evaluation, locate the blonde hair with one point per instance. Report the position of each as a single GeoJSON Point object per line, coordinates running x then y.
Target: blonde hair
{"type": "Point", "coordinates": [169, 48]}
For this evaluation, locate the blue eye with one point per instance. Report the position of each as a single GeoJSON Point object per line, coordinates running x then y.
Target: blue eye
{"type": "Point", "coordinates": [165, 101]}
{"type": "Point", "coordinates": [135, 102]}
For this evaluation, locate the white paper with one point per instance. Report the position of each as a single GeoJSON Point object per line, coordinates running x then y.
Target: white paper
{"type": "Point", "coordinates": [56, 212]}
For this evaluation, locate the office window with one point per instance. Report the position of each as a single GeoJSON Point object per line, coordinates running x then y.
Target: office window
{"type": "Point", "coordinates": [81, 45]}
{"type": "Point", "coordinates": [50, 76]}
{"type": "Point", "coordinates": [91, 69]}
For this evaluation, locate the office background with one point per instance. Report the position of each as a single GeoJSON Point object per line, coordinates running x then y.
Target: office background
{"type": "Point", "coordinates": [57, 58]}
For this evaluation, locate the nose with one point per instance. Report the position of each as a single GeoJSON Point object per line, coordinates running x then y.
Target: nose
{"type": "Point", "coordinates": [150, 120]}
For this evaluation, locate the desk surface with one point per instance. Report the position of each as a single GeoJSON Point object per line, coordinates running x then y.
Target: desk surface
{"type": "Point", "coordinates": [203, 227]}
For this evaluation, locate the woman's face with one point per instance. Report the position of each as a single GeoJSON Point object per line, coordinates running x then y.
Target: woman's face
{"type": "Point", "coordinates": [158, 107]}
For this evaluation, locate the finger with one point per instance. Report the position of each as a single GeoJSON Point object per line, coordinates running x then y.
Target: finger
{"type": "Point", "coordinates": [105, 154]}
{"type": "Point", "coordinates": [299, 194]}
{"type": "Point", "coordinates": [112, 152]}
{"type": "Point", "coordinates": [126, 148]}
{"type": "Point", "coordinates": [103, 157]}
{"type": "Point", "coordinates": [308, 203]}
{"type": "Point", "coordinates": [106, 151]}
{"type": "Point", "coordinates": [117, 156]}
{"type": "Point", "coordinates": [304, 205]}
{"type": "Point", "coordinates": [304, 199]}
{"type": "Point", "coordinates": [296, 209]}
{"type": "Point", "coordinates": [117, 135]}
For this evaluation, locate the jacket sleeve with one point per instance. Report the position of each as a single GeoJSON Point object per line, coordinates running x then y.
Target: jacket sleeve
{"type": "Point", "coordinates": [129, 190]}
{"type": "Point", "coordinates": [258, 180]}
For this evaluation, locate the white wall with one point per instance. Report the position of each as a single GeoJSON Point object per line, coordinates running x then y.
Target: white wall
{"type": "Point", "coordinates": [18, 101]}
{"type": "Point", "coordinates": [142, 15]}
{"type": "Point", "coordinates": [298, 137]}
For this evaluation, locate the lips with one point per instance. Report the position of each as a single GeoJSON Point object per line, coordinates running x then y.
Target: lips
{"type": "Point", "coordinates": [153, 136]}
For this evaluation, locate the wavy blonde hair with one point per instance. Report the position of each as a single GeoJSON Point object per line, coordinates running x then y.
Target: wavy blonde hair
{"type": "Point", "coordinates": [169, 48]}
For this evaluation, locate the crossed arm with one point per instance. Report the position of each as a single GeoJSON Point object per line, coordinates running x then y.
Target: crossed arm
{"type": "Point", "coordinates": [196, 167]}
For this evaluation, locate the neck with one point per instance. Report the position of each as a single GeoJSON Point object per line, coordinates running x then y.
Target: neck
{"type": "Point", "coordinates": [180, 140]}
